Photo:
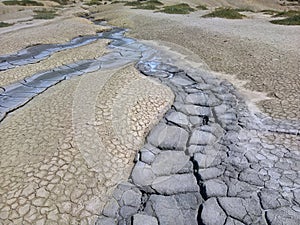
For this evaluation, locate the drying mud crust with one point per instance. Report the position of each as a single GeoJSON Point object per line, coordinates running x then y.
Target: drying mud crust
{"type": "Point", "coordinates": [178, 120]}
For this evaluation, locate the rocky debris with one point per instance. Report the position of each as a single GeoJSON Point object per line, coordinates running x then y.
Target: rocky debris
{"type": "Point", "coordinates": [166, 137]}
{"type": "Point", "coordinates": [225, 170]}
{"type": "Point", "coordinates": [178, 118]}
{"type": "Point", "coordinates": [144, 219]}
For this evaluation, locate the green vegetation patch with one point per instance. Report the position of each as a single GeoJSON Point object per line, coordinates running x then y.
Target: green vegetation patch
{"type": "Point", "coordinates": [293, 20]}
{"type": "Point", "coordinates": [22, 3]}
{"type": "Point", "coordinates": [61, 2]}
{"type": "Point", "coordinates": [147, 6]}
{"type": "Point", "coordinates": [150, 5]}
{"type": "Point", "coordinates": [3, 24]}
{"type": "Point", "coordinates": [226, 13]}
{"type": "Point", "coordinates": [202, 7]}
{"type": "Point", "coordinates": [134, 3]}
{"type": "Point", "coordinates": [244, 10]}
{"type": "Point", "coordinates": [94, 2]}
{"type": "Point", "coordinates": [178, 9]}
{"type": "Point", "coordinates": [289, 13]}
{"type": "Point", "coordinates": [116, 2]}
{"type": "Point", "coordinates": [154, 2]}
{"type": "Point", "coordinates": [269, 11]}
{"type": "Point", "coordinates": [44, 14]}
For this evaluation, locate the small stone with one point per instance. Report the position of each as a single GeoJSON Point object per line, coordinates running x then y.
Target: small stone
{"type": "Point", "coordinates": [228, 118]}
{"type": "Point", "coordinates": [132, 198]}
{"type": "Point", "coordinates": [203, 99]}
{"type": "Point", "coordinates": [187, 201]}
{"type": "Point", "coordinates": [169, 162]}
{"type": "Point", "coordinates": [105, 221]}
{"type": "Point", "coordinates": [111, 208]}
{"type": "Point", "coordinates": [202, 138]}
{"type": "Point", "coordinates": [192, 149]}
{"type": "Point", "coordinates": [231, 221]}
{"type": "Point", "coordinates": [212, 213]}
{"type": "Point", "coordinates": [246, 210]}
{"type": "Point", "coordinates": [166, 210]}
{"type": "Point", "coordinates": [147, 156]}
{"type": "Point", "coordinates": [168, 137]}
{"type": "Point", "coordinates": [178, 118]}
{"type": "Point", "coordinates": [178, 183]}
{"type": "Point", "coordinates": [215, 188]}
{"type": "Point", "coordinates": [196, 120]}
{"type": "Point", "coordinates": [210, 173]}
{"type": "Point", "coordinates": [188, 168]}
{"type": "Point", "coordinates": [284, 215]}
{"type": "Point", "coordinates": [127, 211]}
{"type": "Point", "coordinates": [269, 198]}
{"type": "Point", "coordinates": [167, 67]}
{"type": "Point", "coordinates": [180, 81]}
{"type": "Point", "coordinates": [140, 219]}
{"type": "Point", "coordinates": [194, 110]}
{"type": "Point", "coordinates": [221, 109]}
{"type": "Point", "coordinates": [233, 207]}
{"type": "Point", "coordinates": [240, 189]}
{"type": "Point", "coordinates": [151, 148]}
{"type": "Point", "coordinates": [142, 174]}
{"type": "Point", "coordinates": [251, 177]}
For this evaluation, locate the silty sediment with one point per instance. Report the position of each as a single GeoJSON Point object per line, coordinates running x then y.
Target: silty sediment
{"type": "Point", "coordinates": [73, 146]}
{"type": "Point", "coordinates": [192, 173]}
{"type": "Point", "coordinates": [240, 168]}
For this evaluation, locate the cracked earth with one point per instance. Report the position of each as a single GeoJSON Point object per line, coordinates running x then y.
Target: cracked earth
{"type": "Point", "coordinates": [239, 168]}
{"type": "Point", "coordinates": [136, 133]}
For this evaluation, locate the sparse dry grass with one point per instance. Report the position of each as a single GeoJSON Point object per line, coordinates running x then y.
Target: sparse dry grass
{"type": "Point", "coordinates": [202, 7]}
{"type": "Point", "coordinates": [22, 3]}
{"type": "Point", "coordinates": [227, 13]}
{"type": "Point", "coordinates": [3, 24]}
{"type": "Point", "coordinates": [44, 14]}
{"type": "Point", "coordinates": [293, 20]}
{"type": "Point", "coordinates": [178, 9]}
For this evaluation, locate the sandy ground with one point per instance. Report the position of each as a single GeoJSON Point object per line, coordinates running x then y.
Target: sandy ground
{"type": "Point", "coordinates": [90, 51]}
{"type": "Point", "coordinates": [264, 56]}
{"type": "Point", "coordinates": [51, 167]}
{"type": "Point", "coordinates": [28, 32]}
{"type": "Point", "coordinates": [66, 150]}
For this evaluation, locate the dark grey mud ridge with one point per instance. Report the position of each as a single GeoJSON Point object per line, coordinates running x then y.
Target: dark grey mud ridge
{"type": "Point", "coordinates": [208, 161]}
{"type": "Point", "coordinates": [234, 168]}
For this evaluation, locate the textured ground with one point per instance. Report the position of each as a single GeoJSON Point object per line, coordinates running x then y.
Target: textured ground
{"type": "Point", "coordinates": [37, 32]}
{"type": "Point", "coordinates": [66, 150]}
{"type": "Point", "coordinates": [236, 167]}
{"type": "Point", "coordinates": [246, 165]}
{"type": "Point", "coordinates": [51, 171]}
{"type": "Point", "coordinates": [266, 56]}
{"type": "Point", "coordinates": [69, 56]}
